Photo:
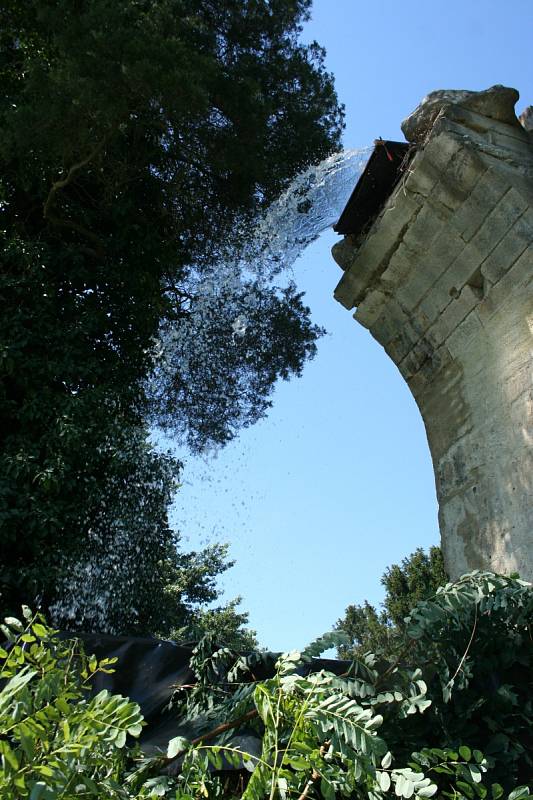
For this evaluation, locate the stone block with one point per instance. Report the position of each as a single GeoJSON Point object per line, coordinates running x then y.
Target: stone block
{"type": "Point", "coordinates": [401, 263]}
{"type": "Point", "coordinates": [511, 246]}
{"type": "Point", "coordinates": [370, 308]}
{"type": "Point", "coordinates": [460, 273]}
{"type": "Point", "coordinates": [459, 179]}
{"type": "Point", "coordinates": [391, 318]}
{"type": "Point", "coordinates": [399, 212]}
{"type": "Point", "coordinates": [421, 176]}
{"type": "Point", "coordinates": [374, 254]}
{"type": "Point", "coordinates": [488, 191]}
{"type": "Point", "coordinates": [518, 383]}
{"type": "Point", "coordinates": [497, 223]}
{"type": "Point", "coordinates": [413, 361]}
{"type": "Point", "coordinates": [481, 124]}
{"type": "Point", "coordinates": [444, 248]}
{"type": "Point", "coordinates": [344, 252]}
{"type": "Point", "coordinates": [424, 229]}
{"type": "Point", "coordinates": [346, 290]}
{"type": "Point", "coordinates": [521, 148]}
{"type": "Point", "coordinates": [454, 314]}
{"type": "Point", "coordinates": [440, 150]}
{"type": "Point", "coordinates": [461, 338]}
{"type": "Point", "coordinates": [403, 342]}
{"type": "Point", "coordinates": [515, 281]}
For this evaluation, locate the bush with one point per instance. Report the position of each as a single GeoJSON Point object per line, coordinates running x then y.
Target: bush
{"type": "Point", "coordinates": [56, 740]}
{"type": "Point", "coordinates": [450, 716]}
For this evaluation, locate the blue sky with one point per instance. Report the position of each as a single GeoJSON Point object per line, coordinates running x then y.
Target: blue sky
{"type": "Point", "coordinates": [336, 484]}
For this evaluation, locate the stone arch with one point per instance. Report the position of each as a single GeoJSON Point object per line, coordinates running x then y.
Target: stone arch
{"type": "Point", "coordinates": [438, 262]}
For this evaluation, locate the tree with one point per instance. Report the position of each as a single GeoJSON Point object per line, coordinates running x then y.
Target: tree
{"type": "Point", "coordinates": [139, 141]}
{"type": "Point", "coordinates": [417, 578]}
{"type": "Point", "coordinates": [225, 625]}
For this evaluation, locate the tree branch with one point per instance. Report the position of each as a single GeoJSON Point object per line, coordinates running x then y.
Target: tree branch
{"type": "Point", "coordinates": [212, 734]}
{"type": "Point", "coordinates": [60, 184]}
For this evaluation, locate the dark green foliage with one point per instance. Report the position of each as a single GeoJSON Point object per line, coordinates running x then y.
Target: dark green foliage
{"type": "Point", "coordinates": [473, 640]}
{"type": "Point", "coordinates": [226, 625]}
{"type": "Point", "coordinates": [138, 142]}
{"type": "Point", "coordinates": [453, 720]}
{"type": "Point", "coordinates": [424, 725]}
{"type": "Point", "coordinates": [222, 380]}
{"type": "Point", "coordinates": [417, 578]}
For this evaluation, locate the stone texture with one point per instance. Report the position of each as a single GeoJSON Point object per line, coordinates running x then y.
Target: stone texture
{"type": "Point", "coordinates": [526, 118]}
{"type": "Point", "coordinates": [497, 103]}
{"type": "Point", "coordinates": [444, 281]}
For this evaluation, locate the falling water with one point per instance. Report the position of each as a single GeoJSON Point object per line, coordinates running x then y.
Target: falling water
{"type": "Point", "coordinates": [312, 203]}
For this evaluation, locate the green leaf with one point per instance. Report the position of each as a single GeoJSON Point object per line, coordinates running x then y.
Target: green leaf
{"type": "Point", "coordinates": [297, 762]}
{"type": "Point", "coordinates": [384, 781]}
{"type": "Point", "coordinates": [465, 752]}
{"type": "Point", "coordinates": [177, 746]}
{"type": "Point", "coordinates": [9, 755]}
{"type": "Point", "coordinates": [374, 723]}
{"type": "Point", "coordinates": [135, 730]}
{"type": "Point", "coordinates": [40, 791]}
{"type": "Point", "coordinates": [475, 773]}
{"type": "Point", "coordinates": [327, 789]}
{"type": "Point", "coordinates": [40, 630]}
{"type": "Point", "coordinates": [519, 793]}
{"type": "Point", "coordinates": [466, 788]}
{"type": "Point", "coordinates": [120, 739]}
{"type": "Point", "coordinates": [427, 791]}
{"type": "Point", "coordinates": [14, 623]}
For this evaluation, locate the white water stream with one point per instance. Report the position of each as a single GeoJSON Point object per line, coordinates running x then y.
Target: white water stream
{"type": "Point", "coordinates": [312, 203]}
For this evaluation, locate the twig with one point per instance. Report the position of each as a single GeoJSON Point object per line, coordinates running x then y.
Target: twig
{"type": "Point", "coordinates": [225, 726]}
{"type": "Point", "coordinates": [60, 184]}
{"type": "Point", "coordinates": [315, 775]}
{"type": "Point", "coordinates": [462, 661]}
{"type": "Point", "coordinates": [99, 250]}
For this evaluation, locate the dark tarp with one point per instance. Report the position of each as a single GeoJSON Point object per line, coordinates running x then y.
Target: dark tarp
{"type": "Point", "coordinates": [148, 671]}
{"type": "Point", "coordinates": [384, 169]}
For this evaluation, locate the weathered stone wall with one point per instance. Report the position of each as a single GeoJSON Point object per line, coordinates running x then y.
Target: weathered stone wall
{"type": "Point", "coordinates": [443, 280]}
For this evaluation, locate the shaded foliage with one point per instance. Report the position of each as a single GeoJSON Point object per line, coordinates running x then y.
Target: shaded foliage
{"type": "Point", "coordinates": [450, 718]}
{"type": "Point", "coordinates": [259, 725]}
{"type": "Point", "coordinates": [139, 140]}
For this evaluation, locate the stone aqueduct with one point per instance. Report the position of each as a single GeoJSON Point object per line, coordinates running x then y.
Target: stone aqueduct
{"type": "Point", "coordinates": [438, 262]}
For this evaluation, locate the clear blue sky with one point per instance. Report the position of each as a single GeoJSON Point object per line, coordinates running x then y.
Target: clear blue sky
{"type": "Point", "coordinates": [336, 485]}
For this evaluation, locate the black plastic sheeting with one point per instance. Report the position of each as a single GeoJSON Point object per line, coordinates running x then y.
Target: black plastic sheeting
{"type": "Point", "coordinates": [149, 670]}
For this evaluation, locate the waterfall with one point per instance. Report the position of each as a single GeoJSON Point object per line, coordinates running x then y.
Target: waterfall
{"type": "Point", "coordinates": [105, 576]}
{"type": "Point", "coordinates": [312, 203]}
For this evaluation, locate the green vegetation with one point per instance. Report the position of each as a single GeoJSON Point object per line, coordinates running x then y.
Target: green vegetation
{"type": "Point", "coordinates": [369, 629]}
{"type": "Point", "coordinates": [139, 140]}
{"type": "Point", "coordinates": [55, 739]}
{"type": "Point", "coordinates": [453, 720]}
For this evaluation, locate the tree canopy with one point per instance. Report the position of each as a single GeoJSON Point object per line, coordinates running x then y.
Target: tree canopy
{"type": "Point", "coordinates": [382, 630]}
{"type": "Point", "coordinates": [139, 141]}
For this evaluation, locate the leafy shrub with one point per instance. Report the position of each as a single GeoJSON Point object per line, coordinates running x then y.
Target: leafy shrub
{"type": "Point", "coordinates": [56, 740]}
{"type": "Point", "coordinates": [449, 717]}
